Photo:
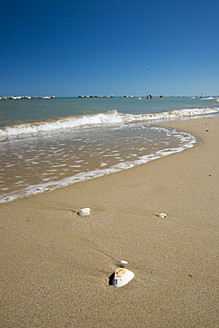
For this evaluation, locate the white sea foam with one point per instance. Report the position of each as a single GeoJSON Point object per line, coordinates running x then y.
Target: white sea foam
{"type": "Point", "coordinates": [187, 141]}
{"type": "Point", "coordinates": [109, 118]}
{"type": "Point", "coordinates": [209, 98]}
{"type": "Point", "coordinates": [65, 123]}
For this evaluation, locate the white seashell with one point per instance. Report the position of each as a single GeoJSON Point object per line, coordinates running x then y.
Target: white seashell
{"type": "Point", "coordinates": [124, 262]}
{"type": "Point", "coordinates": [162, 215]}
{"type": "Point", "coordinates": [122, 277]}
{"type": "Point", "coordinates": [84, 211]}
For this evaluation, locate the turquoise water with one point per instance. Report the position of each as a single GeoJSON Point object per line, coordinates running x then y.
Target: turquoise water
{"type": "Point", "coordinates": [49, 143]}
{"type": "Point", "coordinates": [32, 110]}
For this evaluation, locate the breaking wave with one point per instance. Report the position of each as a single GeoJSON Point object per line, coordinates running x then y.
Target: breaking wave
{"type": "Point", "coordinates": [108, 118]}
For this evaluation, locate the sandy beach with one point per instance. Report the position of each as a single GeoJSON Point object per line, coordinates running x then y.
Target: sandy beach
{"type": "Point", "coordinates": [55, 265]}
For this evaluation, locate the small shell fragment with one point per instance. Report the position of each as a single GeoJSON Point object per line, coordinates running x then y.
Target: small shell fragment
{"type": "Point", "coordinates": [122, 277]}
{"type": "Point", "coordinates": [162, 215]}
{"type": "Point", "coordinates": [84, 211]}
{"type": "Point", "coordinates": [124, 262]}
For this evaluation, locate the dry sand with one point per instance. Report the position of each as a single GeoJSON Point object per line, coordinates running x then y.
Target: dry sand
{"type": "Point", "coordinates": [55, 265]}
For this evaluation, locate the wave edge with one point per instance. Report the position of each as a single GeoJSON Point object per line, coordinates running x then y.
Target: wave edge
{"type": "Point", "coordinates": [100, 119]}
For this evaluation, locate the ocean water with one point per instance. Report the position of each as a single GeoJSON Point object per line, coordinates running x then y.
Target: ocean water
{"type": "Point", "coordinates": [49, 143]}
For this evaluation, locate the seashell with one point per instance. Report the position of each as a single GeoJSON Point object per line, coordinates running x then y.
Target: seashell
{"type": "Point", "coordinates": [124, 262]}
{"type": "Point", "coordinates": [162, 215]}
{"type": "Point", "coordinates": [122, 277]}
{"type": "Point", "coordinates": [84, 211]}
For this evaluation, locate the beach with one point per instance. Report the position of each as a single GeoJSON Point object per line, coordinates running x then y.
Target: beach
{"type": "Point", "coordinates": [55, 265]}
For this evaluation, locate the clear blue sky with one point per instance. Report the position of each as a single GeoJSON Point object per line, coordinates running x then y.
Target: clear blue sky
{"type": "Point", "coordinates": [99, 47]}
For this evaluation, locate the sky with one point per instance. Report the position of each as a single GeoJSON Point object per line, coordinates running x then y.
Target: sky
{"type": "Point", "coordinates": [99, 47]}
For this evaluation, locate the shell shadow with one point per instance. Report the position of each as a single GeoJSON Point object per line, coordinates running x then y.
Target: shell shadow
{"type": "Point", "coordinates": [111, 277]}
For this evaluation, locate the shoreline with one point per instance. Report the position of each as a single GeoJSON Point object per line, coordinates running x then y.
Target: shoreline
{"type": "Point", "coordinates": [142, 151]}
{"type": "Point", "coordinates": [56, 265]}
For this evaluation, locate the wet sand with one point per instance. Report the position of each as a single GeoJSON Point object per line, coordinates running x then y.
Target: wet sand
{"type": "Point", "coordinates": [55, 265]}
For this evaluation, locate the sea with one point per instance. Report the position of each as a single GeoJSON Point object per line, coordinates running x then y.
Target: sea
{"type": "Point", "coordinates": [54, 142]}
